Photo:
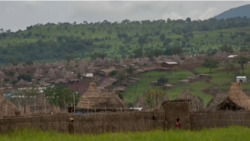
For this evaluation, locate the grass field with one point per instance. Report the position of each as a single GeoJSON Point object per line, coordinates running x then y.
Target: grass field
{"type": "Point", "coordinates": [222, 134]}
{"type": "Point", "coordinates": [146, 78]}
{"type": "Point", "coordinates": [220, 80]}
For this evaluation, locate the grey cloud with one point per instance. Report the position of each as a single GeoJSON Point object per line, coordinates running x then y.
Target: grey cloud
{"type": "Point", "coordinates": [19, 15]}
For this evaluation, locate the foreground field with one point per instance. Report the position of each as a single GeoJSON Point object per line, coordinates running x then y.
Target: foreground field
{"type": "Point", "coordinates": [223, 134]}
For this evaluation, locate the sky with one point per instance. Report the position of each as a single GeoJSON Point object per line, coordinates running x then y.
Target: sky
{"type": "Point", "coordinates": [18, 15]}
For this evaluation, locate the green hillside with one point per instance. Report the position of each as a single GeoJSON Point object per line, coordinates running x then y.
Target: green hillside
{"type": "Point", "coordinates": [52, 42]}
{"type": "Point", "coordinates": [238, 12]}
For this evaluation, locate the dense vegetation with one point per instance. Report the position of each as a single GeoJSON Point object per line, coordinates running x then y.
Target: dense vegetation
{"type": "Point", "coordinates": [223, 134]}
{"type": "Point", "coordinates": [59, 41]}
{"type": "Point", "coordinates": [241, 11]}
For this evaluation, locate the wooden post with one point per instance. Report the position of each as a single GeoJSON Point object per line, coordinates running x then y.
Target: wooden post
{"type": "Point", "coordinates": [74, 102]}
{"type": "Point", "coordinates": [44, 104]}
{"type": "Point", "coordinates": [6, 111]}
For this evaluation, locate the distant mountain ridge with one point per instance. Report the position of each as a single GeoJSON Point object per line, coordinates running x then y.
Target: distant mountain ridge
{"type": "Point", "coordinates": [240, 11]}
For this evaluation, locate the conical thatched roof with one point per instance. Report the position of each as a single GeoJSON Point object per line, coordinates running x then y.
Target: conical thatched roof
{"type": "Point", "coordinates": [140, 102]}
{"type": "Point", "coordinates": [21, 83]}
{"type": "Point", "coordinates": [92, 99]}
{"type": "Point", "coordinates": [20, 66]}
{"type": "Point", "coordinates": [40, 104]}
{"type": "Point", "coordinates": [63, 72]}
{"type": "Point", "coordinates": [238, 96]}
{"type": "Point", "coordinates": [235, 100]}
{"type": "Point", "coordinates": [165, 98]}
{"type": "Point", "coordinates": [7, 108]}
{"type": "Point", "coordinates": [2, 75]}
{"type": "Point", "coordinates": [81, 68]}
{"type": "Point", "coordinates": [72, 64]}
{"type": "Point", "coordinates": [196, 104]}
{"type": "Point", "coordinates": [186, 95]}
{"type": "Point", "coordinates": [47, 65]}
{"type": "Point", "coordinates": [217, 100]}
{"type": "Point", "coordinates": [52, 73]}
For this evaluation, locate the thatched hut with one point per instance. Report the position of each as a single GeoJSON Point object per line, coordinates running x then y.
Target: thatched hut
{"type": "Point", "coordinates": [140, 103]}
{"type": "Point", "coordinates": [196, 104]}
{"type": "Point", "coordinates": [7, 108]}
{"type": "Point", "coordinates": [235, 100]}
{"type": "Point", "coordinates": [72, 64]}
{"type": "Point", "coordinates": [94, 100]}
{"type": "Point", "coordinates": [40, 105]}
{"type": "Point", "coordinates": [238, 96]}
{"type": "Point", "coordinates": [52, 73]}
{"type": "Point", "coordinates": [2, 75]}
{"type": "Point", "coordinates": [22, 83]}
{"type": "Point", "coordinates": [214, 105]}
{"type": "Point", "coordinates": [63, 72]}
{"type": "Point", "coordinates": [81, 68]}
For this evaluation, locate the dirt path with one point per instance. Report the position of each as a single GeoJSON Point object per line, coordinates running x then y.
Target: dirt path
{"type": "Point", "coordinates": [208, 82]}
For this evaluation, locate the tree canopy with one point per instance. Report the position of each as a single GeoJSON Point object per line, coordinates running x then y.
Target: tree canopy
{"type": "Point", "coordinates": [210, 63]}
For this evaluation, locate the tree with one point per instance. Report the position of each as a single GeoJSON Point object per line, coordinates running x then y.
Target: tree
{"type": "Point", "coordinates": [138, 53]}
{"type": "Point", "coordinates": [188, 20]}
{"type": "Point", "coordinates": [241, 60]}
{"type": "Point", "coordinates": [211, 52]}
{"type": "Point", "coordinates": [162, 80]}
{"type": "Point", "coordinates": [162, 37]}
{"type": "Point", "coordinates": [25, 77]}
{"type": "Point", "coordinates": [113, 73]}
{"type": "Point", "coordinates": [120, 76]}
{"type": "Point", "coordinates": [229, 66]}
{"type": "Point", "coordinates": [154, 97]}
{"type": "Point", "coordinates": [244, 49]}
{"type": "Point", "coordinates": [68, 57]}
{"type": "Point", "coordinates": [14, 62]}
{"type": "Point", "coordinates": [210, 63]}
{"type": "Point", "coordinates": [96, 55]}
{"type": "Point", "coordinates": [177, 50]}
{"type": "Point", "coordinates": [61, 96]}
{"type": "Point", "coordinates": [29, 63]}
{"type": "Point", "coordinates": [227, 49]}
{"type": "Point", "coordinates": [130, 70]}
{"type": "Point", "coordinates": [29, 95]}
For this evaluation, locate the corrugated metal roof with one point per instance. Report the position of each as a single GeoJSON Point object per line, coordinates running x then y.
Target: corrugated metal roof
{"type": "Point", "coordinates": [241, 77]}
{"type": "Point", "coordinates": [171, 63]}
{"type": "Point", "coordinates": [232, 56]}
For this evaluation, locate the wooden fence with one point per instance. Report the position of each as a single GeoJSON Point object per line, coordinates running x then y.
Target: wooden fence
{"type": "Point", "coordinates": [98, 123]}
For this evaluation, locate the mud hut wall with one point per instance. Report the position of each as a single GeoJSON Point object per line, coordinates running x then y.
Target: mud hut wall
{"type": "Point", "coordinates": [91, 123]}
{"type": "Point", "coordinates": [219, 119]}
{"type": "Point", "coordinates": [174, 110]}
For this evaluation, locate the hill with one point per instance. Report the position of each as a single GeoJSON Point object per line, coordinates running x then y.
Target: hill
{"type": "Point", "coordinates": [53, 42]}
{"type": "Point", "coordinates": [242, 11]}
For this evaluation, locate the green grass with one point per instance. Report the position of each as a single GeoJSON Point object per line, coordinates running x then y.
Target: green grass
{"type": "Point", "coordinates": [220, 80]}
{"type": "Point", "coordinates": [195, 88]}
{"type": "Point", "coordinates": [219, 134]}
{"type": "Point", "coordinates": [146, 78]}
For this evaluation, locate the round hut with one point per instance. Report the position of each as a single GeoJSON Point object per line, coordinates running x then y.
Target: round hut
{"type": "Point", "coordinates": [7, 108]}
{"type": "Point", "coordinates": [196, 104]}
{"type": "Point", "coordinates": [93, 100]}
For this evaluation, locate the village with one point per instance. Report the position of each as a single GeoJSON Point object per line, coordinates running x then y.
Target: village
{"type": "Point", "coordinates": [98, 92]}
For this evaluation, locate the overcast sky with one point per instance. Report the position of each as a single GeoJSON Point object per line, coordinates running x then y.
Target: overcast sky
{"type": "Point", "coordinates": [19, 15]}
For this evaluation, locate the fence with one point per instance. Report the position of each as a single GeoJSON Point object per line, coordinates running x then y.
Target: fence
{"type": "Point", "coordinates": [125, 122]}
{"type": "Point", "coordinates": [219, 119]}
{"type": "Point", "coordinates": [90, 124]}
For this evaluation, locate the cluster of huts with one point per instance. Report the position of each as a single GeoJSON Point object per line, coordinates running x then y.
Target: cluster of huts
{"type": "Point", "coordinates": [96, 100]}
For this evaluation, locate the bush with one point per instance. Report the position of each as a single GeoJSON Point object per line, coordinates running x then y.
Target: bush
{"type": "Point", "coordinates": [25, 77]}
{"type": "Point", "coordinates": [113, 73]}
{"type": "Point", "coordinates": [162, 80]}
